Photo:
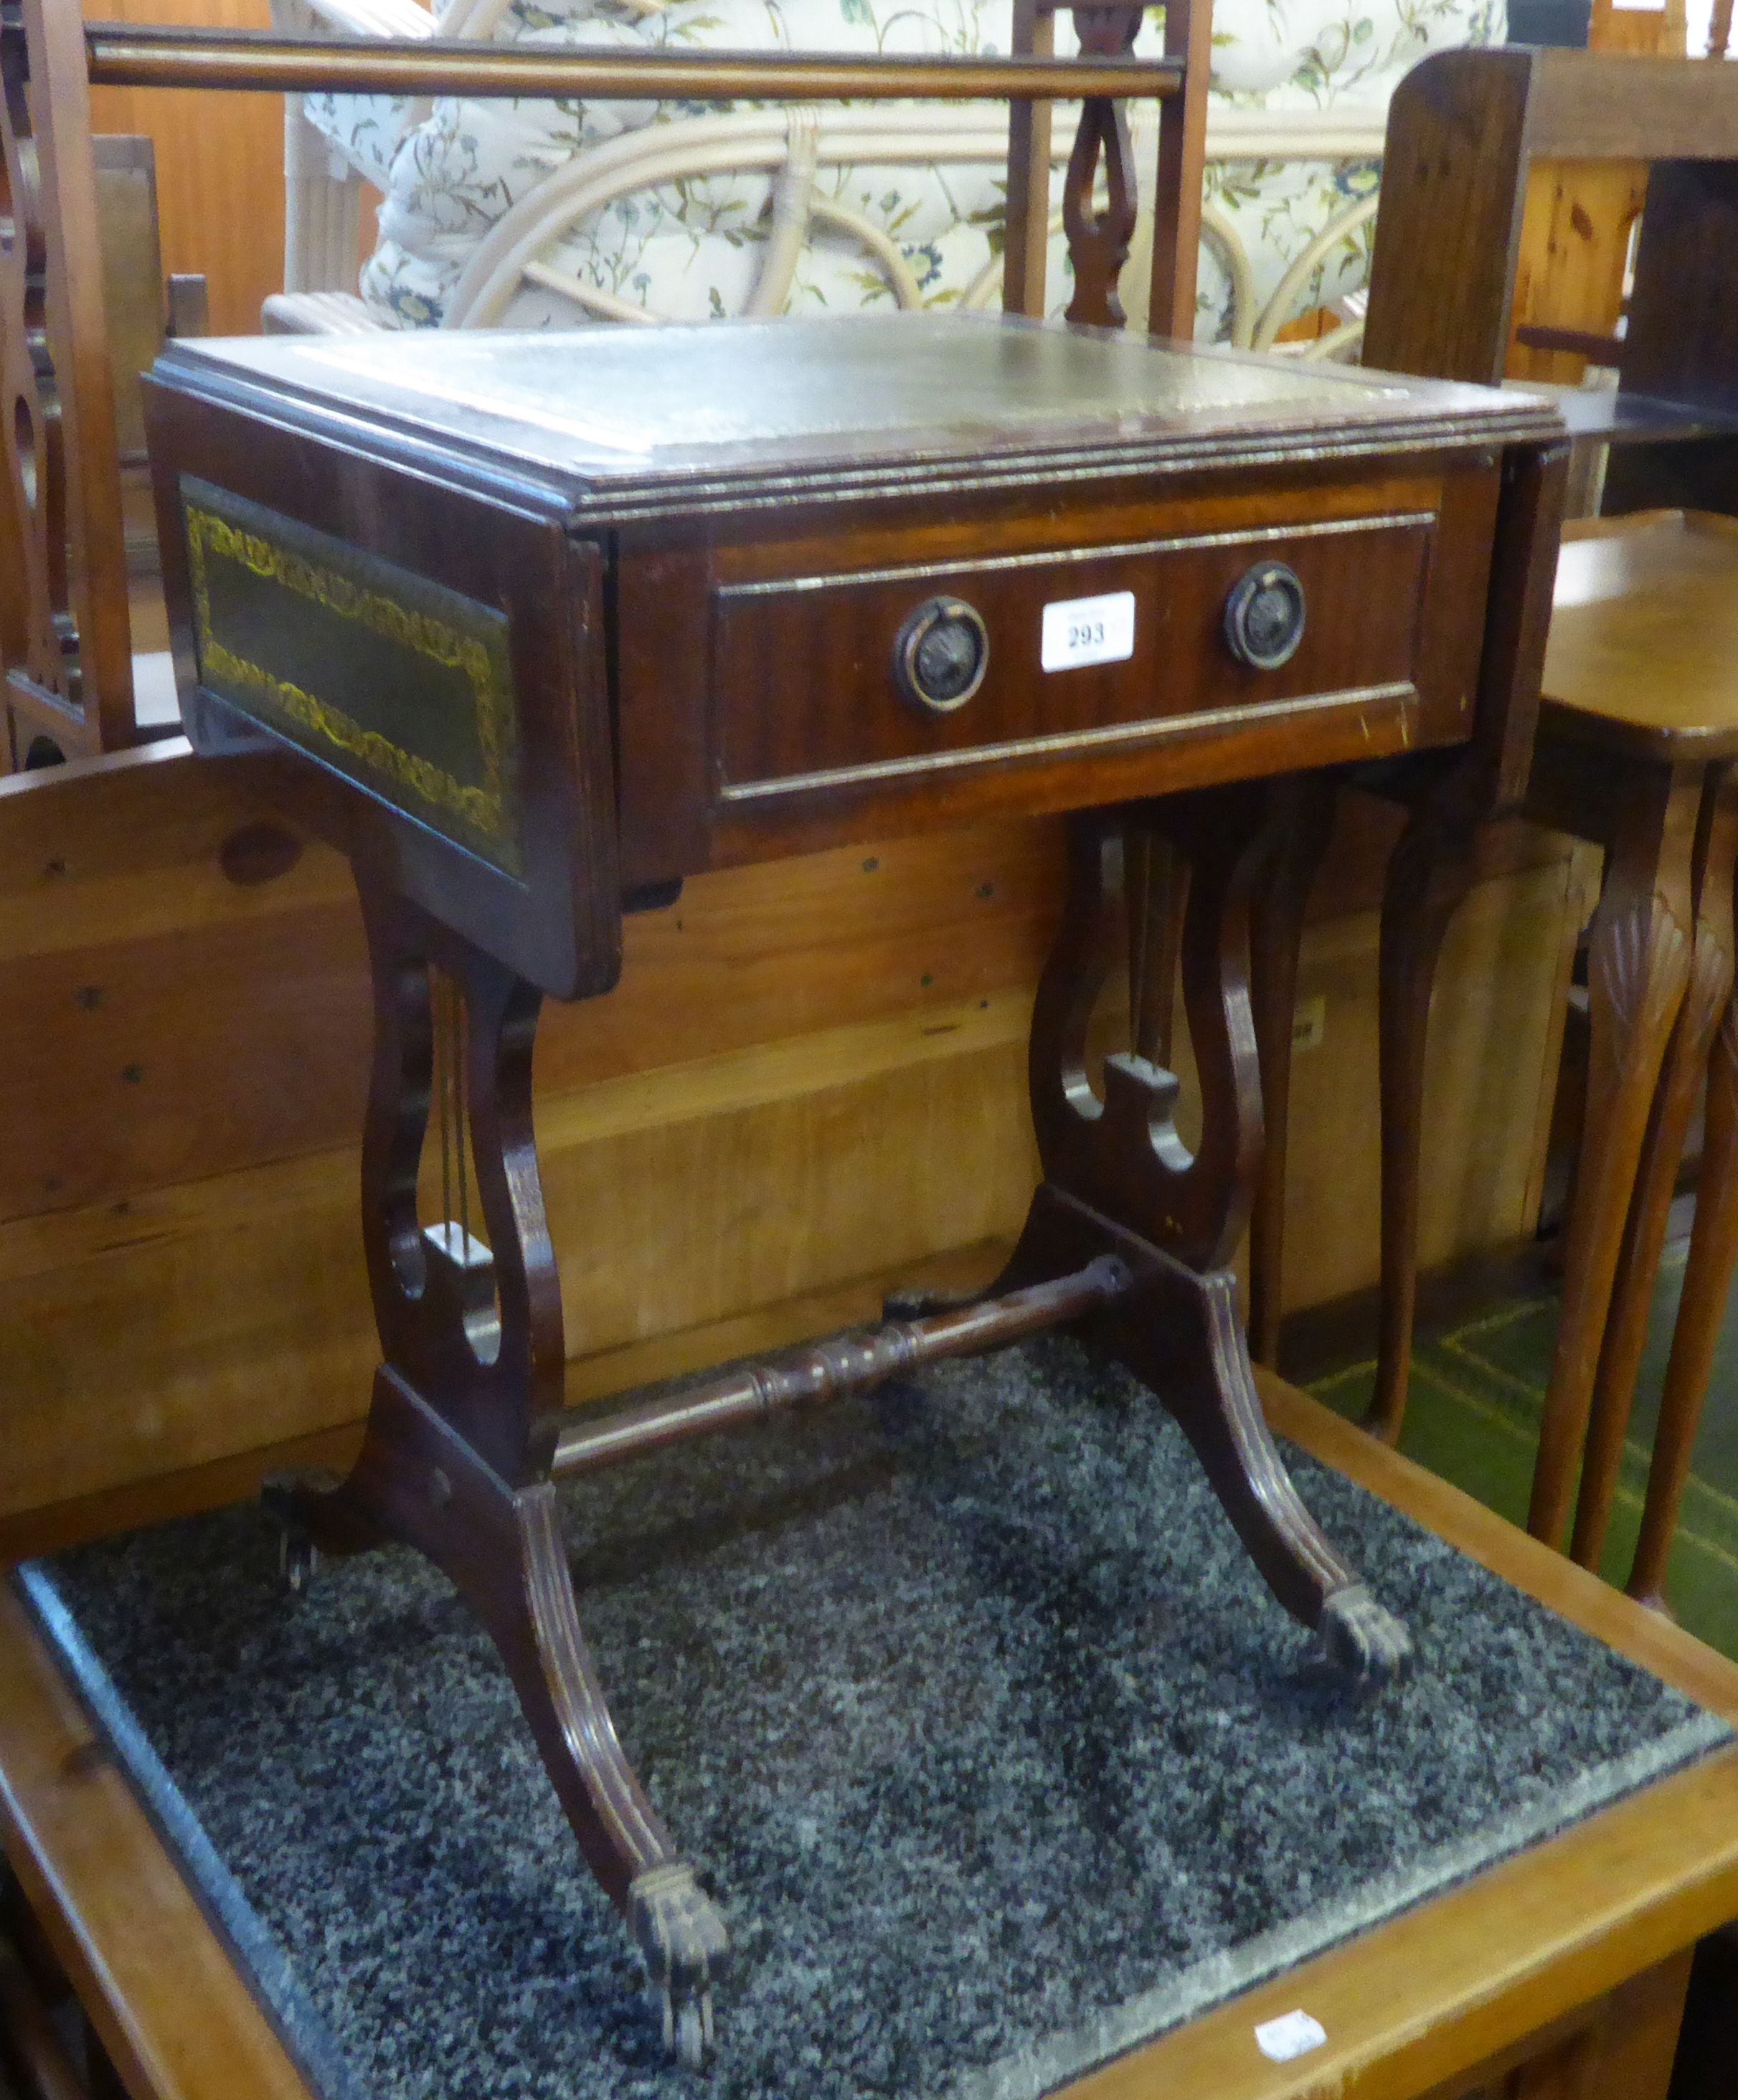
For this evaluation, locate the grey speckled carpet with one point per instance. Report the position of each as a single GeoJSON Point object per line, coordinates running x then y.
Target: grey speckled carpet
{"type": "Point", "coordinates": [995, 1751]}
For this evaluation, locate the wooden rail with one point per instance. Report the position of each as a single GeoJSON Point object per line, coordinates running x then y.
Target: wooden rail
{"type": "Point", "coordinates": [829, 1370]}
{"type": "Point", "coordinates": [120, 56]}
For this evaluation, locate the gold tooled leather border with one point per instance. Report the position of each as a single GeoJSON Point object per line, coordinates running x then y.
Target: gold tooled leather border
{"type": "Point", "coordinates": [479, 810]}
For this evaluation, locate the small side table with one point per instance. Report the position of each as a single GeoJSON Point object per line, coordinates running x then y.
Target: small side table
{"type": "Point", "coordinates": [1626, 741]}
{"type": "Point", "coordinates": [1680, 573]}
{"type": "Point", "coordinates": [1638, 732]}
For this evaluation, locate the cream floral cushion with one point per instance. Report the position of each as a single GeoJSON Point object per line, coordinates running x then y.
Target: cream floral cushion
{"type": "Point", "coordinates": [692, 248]}
{"type": "Point", "coordinates": [1280, 55]}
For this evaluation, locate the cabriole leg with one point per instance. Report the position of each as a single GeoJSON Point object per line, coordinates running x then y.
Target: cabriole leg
{"type": "Point", "coordinates": [1430, 872]}
{"type": "Point", "coordinates": [1701, 1312]}
{"type": "Point", "coordinates": [1638, 971]}
{"type": "Point", "coordinates": [1686, 1067]}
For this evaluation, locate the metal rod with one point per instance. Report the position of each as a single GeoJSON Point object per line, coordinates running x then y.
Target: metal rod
{"type": "Point", "coordinates": [829, 1370]}
{"type": "Point", "coordinates": [443, 1091]}
{"type": "Point", "coordinates": [120, 56]}
{"type": "Point", "coordinates": [461, 1113]}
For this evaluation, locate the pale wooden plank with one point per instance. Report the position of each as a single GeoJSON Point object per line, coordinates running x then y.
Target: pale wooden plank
{"type": "Point", "coordinates": [166, 1023]}
{"type": "Point", "coordinates": [1574, 243]}
{"type": "Point", "coordinates": [176, 2018]}
{"type": "Point", "coordinates": [198, 1320]}
{"type": "Point", "coordinates": [1496, 1024]}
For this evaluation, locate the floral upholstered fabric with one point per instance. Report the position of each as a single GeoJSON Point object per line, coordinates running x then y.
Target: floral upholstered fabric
{"type": "Point", "coordinates": [691, 245]}
{"type": "Point", "coordinates": [1292, 55]}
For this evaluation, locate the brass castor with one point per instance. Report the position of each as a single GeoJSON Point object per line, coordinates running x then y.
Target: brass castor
{"type": "Point", "coordinates": [682, 1941]}
{"type": "Point", "coordinates": [1363, 1640]}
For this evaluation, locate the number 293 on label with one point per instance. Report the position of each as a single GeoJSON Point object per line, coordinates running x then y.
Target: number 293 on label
{"type": "Point", "coordinates": [1088, 630]}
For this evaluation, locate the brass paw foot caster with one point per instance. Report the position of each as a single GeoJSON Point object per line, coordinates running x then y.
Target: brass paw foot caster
{"type": "Point", "coordinates": [1366, 1644]}
{"type": "Point", "coordinates": [688, 2035]}
{"type": "Point", "coordinates": [297, 1555]}
{"type": "Point", "coordinates": [685, 1946]}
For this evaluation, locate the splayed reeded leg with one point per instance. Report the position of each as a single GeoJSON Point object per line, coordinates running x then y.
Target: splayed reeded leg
{"type": "Point", "coordinates": [1119, 1179]}
{"type": "Point", "coordinates": [461, 1435]}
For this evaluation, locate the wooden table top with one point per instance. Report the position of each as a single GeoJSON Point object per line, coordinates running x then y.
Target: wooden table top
{"type": "Point", "coordinates": [1412, 2002]}
{"type": "Point", "coordinates": [1644, 648]}
{"type": "Point", "coordinates": [635, 421]}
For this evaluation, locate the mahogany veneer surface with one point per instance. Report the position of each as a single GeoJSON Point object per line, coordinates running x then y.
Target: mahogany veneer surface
{"type": "Point", "coordinates": [663, 420]}
{"type": "Point", "coordinates": [706, 541]}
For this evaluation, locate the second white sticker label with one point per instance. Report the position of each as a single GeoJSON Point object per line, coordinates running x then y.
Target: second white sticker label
{"type": "Point", "coordinates": [1088, 630]}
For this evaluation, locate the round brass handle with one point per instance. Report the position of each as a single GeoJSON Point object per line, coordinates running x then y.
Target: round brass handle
{"type": "Point", "coordinates": [1264, 616]}
{"type": "Point", "coordinates": [941, 654]}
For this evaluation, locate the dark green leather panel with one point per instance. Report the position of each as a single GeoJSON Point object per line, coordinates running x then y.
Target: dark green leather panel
{"type": "Point", "coordinates": [390, 679]}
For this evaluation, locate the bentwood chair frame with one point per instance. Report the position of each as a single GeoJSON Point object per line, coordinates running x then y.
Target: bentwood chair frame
{"type": "Point", "coordinates": [323, 194]}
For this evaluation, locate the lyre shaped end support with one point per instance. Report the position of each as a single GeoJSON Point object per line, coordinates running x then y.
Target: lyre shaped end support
{"type": "Point", "coordinates": [461, 1428]}
{"type": "Point", "coordinates": [1123, 1153]}
{"type": "Point", "coordinates": [472, 1320]}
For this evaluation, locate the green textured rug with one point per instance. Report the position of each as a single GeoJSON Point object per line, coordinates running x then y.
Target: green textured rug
{"type": "Point", "coordinates": [1473, 1417]}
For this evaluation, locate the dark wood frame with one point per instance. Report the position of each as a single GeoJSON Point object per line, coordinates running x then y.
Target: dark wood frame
{"type": "Point", "coordinates": [64, 632]}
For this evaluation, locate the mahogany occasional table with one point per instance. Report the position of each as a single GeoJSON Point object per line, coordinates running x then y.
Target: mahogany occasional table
{"type": "Point", "coordinates": [543, 624]}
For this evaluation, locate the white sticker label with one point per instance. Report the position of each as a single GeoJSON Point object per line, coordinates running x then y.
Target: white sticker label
{"type": "Point", "coordinates": [1088, 630]}
{"type": "Point", "coordinates": [1292, 2034]}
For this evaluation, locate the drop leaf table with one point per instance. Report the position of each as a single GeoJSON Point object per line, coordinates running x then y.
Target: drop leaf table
{"type": "Point", "coordinates": [546, 624]}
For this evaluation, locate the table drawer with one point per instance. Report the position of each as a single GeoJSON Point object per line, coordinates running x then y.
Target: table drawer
{"type": "Point", "coordinates": [823, 682]}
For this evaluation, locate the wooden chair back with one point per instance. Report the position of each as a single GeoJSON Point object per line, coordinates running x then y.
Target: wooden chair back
{"type": "Point", "coordinates": [1466, 128]}
{"type": "Point", "coordinates": [1465, 131]}
{"type": "Point", "coordinates": [1098, 242]}
{"type": "Point", "coordinates": [64, 632]}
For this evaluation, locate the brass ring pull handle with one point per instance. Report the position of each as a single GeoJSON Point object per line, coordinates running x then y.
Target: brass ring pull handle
{"type": "Point", "coordinates": [1264, 616]}
{"type": "Point", "coordinates": [941, 654]}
